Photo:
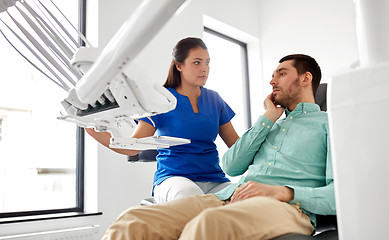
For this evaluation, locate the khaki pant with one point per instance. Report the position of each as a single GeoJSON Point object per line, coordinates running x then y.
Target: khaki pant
{"type": "Point", "coordinates": [206, 217]}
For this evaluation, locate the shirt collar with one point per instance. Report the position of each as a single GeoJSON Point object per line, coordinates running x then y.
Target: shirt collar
{"type": "Point", "coordinates": [303, 108]}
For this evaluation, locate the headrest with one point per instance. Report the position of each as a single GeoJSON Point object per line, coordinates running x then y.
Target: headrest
{"type": "Point", "coordinates": [321, 96]}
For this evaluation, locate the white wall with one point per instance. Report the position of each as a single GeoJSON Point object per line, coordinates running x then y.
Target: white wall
{"type": "Point", "coordinates": [324, 29]}
{"type": "Point", "coordinates": [273, 28]}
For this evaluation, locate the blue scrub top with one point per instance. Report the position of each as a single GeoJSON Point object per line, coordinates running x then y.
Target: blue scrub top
{"type": "Point", "coordinates": [199, 160]}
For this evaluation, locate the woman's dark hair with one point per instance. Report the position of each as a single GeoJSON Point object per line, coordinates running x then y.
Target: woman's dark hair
{"type": "Point", "coordinates": [304, 63]}
{"type": "Point", "coordinates": [180, 53]}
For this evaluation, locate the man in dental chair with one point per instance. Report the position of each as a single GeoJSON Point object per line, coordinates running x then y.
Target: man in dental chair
{"type": "Point", "coordinates": [288, 177]}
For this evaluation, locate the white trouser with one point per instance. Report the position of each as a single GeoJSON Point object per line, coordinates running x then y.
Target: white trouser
{"type": "Point", "coordinates": [179, 187]}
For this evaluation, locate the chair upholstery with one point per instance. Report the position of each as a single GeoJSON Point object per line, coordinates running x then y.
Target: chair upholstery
{"type": "Point", "coordinates": [321, 96]}
{"type": "Point", "coordinates": [147, 201]}
{"type": "Point", "coordinates": [144, 156]}
{"type": "Point", "coordinates": [327, 235]}
{"type": "Point", "coordinates": [326, 230]}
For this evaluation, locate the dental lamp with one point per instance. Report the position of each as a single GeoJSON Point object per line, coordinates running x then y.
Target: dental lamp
{"type": "Point", "coordinates": [358, 120]}
{"type": "Point", "coordinates": [105, 90]}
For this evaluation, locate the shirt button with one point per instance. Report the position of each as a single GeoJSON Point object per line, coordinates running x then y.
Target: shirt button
{"type": "Point", "coordinates": [263, 124]}
{"type": "Point", "coordinates": [305, 112]}
{"type": "Point", "coordinates": [291, 117]}
{"type": "Point", "coordinates": [268, 126]}
{"type": "Point", "coordinates": [259, 173]}
{"type": "Point", "coordinates": [269, 164]}
{"type": "Point", "coordinates": [276, 148]}
{"type": "Point", "coordinates": [284, 130]}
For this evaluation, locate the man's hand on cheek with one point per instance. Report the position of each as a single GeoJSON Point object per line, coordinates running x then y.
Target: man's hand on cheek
{"type": "Point", "coordinates": [273, 111]}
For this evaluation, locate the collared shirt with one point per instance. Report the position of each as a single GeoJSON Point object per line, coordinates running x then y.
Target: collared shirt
{"type": "Point", "coordinates": [293, 152]}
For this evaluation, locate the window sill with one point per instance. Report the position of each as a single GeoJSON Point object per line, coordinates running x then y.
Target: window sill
{"type": "Point", "coordinates": [8, 220]}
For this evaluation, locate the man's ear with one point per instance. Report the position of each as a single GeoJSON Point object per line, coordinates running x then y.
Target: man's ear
{"type": "Point", "coordinates": [307, 79]}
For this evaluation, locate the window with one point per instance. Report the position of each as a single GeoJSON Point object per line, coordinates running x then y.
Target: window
{"type": "Point", "coordinates": [41, 159]}
{"type": "Point", "coordinates": [229, 77]}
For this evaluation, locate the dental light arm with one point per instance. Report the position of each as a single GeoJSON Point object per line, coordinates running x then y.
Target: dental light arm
{"type": "Point", "coordinates": [130, 39]}
{"type": "Point", "coordinates": [106, 90]}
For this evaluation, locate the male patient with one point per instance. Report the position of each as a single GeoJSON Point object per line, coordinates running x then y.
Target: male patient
{"type": "Point", "coordinates": [289, 174]}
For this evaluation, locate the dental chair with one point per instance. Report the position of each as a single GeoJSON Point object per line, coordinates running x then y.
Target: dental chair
{"type": "Point", "coordinates": [326, 225]}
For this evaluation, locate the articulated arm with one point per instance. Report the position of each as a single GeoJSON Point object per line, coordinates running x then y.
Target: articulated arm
{"type": "Point", "coordinates": [100, 93]}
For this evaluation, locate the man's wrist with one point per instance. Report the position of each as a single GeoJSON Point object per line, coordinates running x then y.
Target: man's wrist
{"type": "Point", "coordinates": [289, 194]}
{"type": "Point", "coordinates": [271, 116]}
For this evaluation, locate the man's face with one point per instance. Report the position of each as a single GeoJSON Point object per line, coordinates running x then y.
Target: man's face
{"type": "Point", "coordinates": [286, 85]}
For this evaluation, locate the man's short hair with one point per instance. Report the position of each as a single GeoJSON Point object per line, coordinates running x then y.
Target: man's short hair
{"type": "Point", "coordinates": [304, 63]}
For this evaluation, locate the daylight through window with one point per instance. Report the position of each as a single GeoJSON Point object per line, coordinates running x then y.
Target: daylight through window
{"type": "Point", "coordinates": [40, 155]}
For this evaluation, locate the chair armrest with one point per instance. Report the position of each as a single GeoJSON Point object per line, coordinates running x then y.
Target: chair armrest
{"type": "Point", "coordinates": [325, 223]}
{"type": "Point", "coordinates": [144, 156]}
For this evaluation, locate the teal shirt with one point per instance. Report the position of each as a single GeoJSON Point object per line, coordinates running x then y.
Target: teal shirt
{"type": "Point", "coordinates": [293, 152]}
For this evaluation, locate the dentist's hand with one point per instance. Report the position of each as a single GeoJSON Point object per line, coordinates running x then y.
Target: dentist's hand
{"type": "Point", "coordinates": [273, 111]}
